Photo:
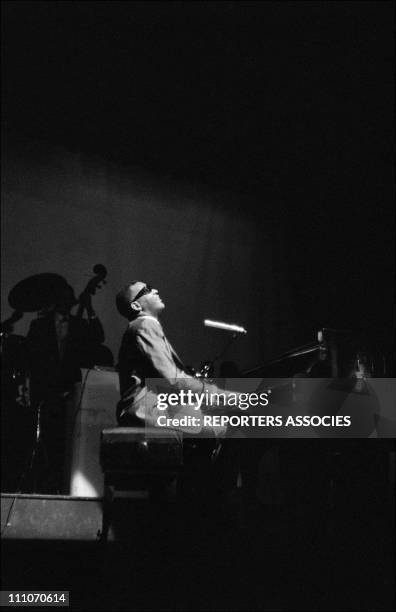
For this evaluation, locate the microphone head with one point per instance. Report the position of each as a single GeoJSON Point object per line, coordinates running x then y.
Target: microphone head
{"type": "Point", "coordinates": [231, 327]}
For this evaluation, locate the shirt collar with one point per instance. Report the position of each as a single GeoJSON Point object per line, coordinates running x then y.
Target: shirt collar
{"type": "Point", "coordinates": [146, 316]}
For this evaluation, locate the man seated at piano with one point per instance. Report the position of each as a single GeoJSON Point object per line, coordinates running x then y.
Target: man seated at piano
{"type": "Point", "coordinates": [146, 353]}
{"type": "Point", "coordinates": [210, 470]}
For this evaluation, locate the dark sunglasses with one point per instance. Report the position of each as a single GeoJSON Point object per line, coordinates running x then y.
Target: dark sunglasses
{"type": "Point", "coordinates": [147, 289]}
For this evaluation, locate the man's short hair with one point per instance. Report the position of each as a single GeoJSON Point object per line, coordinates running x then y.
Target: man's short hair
{"type": "Point", "coordinates": [65, 297]}
{"type": "Point", "coordinates": [124, 299]}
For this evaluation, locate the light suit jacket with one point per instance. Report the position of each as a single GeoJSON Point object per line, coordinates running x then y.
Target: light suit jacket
{"type": "Point", "coordinates": [145, 353]}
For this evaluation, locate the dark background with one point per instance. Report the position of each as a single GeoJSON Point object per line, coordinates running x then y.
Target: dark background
{"type": "Point", "coordinates": [239, 156]}
{"type": "Point", "coordinates": [286, 105]}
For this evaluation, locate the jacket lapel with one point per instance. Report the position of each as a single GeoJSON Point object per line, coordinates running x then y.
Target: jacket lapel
{"type": "Point", "coordinates": [175, 356]}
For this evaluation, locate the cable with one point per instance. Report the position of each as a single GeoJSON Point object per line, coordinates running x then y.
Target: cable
{"type": "Point", "coordinates": [9, 516]}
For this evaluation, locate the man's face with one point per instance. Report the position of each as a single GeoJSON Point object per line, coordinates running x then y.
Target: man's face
{"type": "Point", "coordinates": [150, 301]}
{"type": "Point", "coordinates": [66, 301]}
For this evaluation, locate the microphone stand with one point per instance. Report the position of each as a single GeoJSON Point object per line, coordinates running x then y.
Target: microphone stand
{"type": "Point", "coordinates": [31, 473]}
{"type": "Point", "coordinates": [205, 372]}
{"type": "Point", "coordinates": [208, 366]}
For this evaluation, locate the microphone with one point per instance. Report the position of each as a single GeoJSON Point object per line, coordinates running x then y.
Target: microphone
{"type": "Point", "coordinates": [236, 329]}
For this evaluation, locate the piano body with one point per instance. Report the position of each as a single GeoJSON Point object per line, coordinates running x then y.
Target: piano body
{"type": "Point", "coordinates": [328, 468]}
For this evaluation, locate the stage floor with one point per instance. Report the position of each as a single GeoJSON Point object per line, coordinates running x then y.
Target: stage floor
{"type": "Point", "coordinates": [284, 558]}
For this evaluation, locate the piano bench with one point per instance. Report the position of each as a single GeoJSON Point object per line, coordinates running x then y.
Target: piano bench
{"type": "Point", "coordinates": [144, 460]}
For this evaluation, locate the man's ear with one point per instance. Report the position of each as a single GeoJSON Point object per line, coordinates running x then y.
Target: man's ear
{"type": "Point", "coordinates": [136, 306]}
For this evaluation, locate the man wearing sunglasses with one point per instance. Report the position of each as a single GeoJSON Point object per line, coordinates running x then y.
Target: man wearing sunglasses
{"type": "Point", "coordinates": [146, 353]}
